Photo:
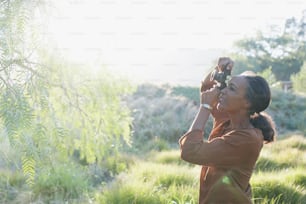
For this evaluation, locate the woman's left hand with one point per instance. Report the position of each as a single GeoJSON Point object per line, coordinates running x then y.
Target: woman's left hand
{"type": "Point", "coordinates": [210, 96]}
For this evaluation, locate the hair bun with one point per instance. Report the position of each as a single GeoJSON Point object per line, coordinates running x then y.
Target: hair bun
{"type": "Point", "coordinates": [264, 122]}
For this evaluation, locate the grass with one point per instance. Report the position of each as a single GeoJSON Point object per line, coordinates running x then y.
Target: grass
{"type": "Point", "coordinates": [161, 177]}
{"type": "Point", "coordinates": [283, 154]}
{"type": "Point", "coordinates": [279, 177]}
{"type": "Point", "coordinates": [149, 182]}
{"type": "Point", "coordinates": [166, 157]}
{"type": "Point", "coordinates": [63, 182]}
{"type": "Point", "coordinates": [284, 186]}
{"type": "Point", "coordinates": [10, 185]}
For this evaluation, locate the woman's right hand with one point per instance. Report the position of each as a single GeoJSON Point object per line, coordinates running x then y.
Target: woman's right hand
{"type": "Point", "coordinates": [207, 82]}
{"type": "Point", "coordinates": [225, 63]}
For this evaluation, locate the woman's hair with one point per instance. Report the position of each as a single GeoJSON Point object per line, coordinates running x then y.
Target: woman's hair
{"type": "Point", "coordinates": [264, 122]}
{"type": "Point", "coordinates": [259, 95]}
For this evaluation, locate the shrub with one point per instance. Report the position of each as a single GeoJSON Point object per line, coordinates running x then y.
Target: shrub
{"type": "Point", "coordinates": [299, 79]}
{"type": "Point", "coordinates": [160, 113]}
{"type": "Point", "coordinates": [157, 144]}
{"type": "Point", "coordinates": [191, 93]}
{"type": "Point", "coordinates": [62, 182]}
{"type": "Point", "coordinates": [11, 183]}
{"type": "Point", "coordinates": [166, 157]}
{"type": "Point", "coordinates": [288, 110]}
{"type": "Point", "coordinates": [167, 112]}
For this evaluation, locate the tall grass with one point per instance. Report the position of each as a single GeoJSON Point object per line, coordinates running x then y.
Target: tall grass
{"type": "Point", "coordinates": [62, 182]}
{"type": "Point", "coordinates": [149, 182]}
{"type": "Point", "coordinates": [166, 157]}
{"type": "Point", "coordinates": [279, 177]}
{"type": "Point", "coordinates": [286, 153]}
{"type": "Point", "coordinates": [285, 186]}
{"type": "Point", "coordinates": [11, 184]}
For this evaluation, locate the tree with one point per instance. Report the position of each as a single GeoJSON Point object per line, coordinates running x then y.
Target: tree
{"type": "Point", "coordinates": [17, 72]}
{"type": "Point", "coordinates": [49, 107]}
{"type": "Point", "coordinates": [299, 80]}
{"type": "Point", "coordinates": [284, 52]}
{"type": "Point", "coordinates": [268, 75]}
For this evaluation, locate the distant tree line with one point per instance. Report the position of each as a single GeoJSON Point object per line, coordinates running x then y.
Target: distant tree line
{"type": "Point", "coordinates": [283, 51]}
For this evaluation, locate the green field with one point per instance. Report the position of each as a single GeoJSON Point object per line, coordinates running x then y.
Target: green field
{"type": "Point", "coordinates": [150, 169]}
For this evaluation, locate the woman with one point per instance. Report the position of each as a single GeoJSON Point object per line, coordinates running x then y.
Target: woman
{"type": "Point", "coordinates": [239, 130]}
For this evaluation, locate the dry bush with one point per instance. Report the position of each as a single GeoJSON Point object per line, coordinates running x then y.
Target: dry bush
{"type": "Point", "coordinates": [160, 115]}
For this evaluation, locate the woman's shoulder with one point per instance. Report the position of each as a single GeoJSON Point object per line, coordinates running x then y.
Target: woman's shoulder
{"type": "Point", "coordinates": [247, 135]}
{"type": "Point", "coordinates": [238, 136]}
{"type": "Point", "coordinates": [252, 132]}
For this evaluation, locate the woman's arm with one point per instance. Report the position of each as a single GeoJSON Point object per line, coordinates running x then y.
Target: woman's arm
{"type": "Point", "coordinates": [208, 83]}
{"type": "Point", "coordinates": [237, 148]}
{"type": "Point", "coordinates": [200, 120]}
{"type": "Point", "coordinates": [208, 98]}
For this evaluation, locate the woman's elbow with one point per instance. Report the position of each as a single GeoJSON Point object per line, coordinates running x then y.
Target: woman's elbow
{"type": "Point", "coordinates": [190, 156]}
{"type": "Point", "coordinates": [184, 155]}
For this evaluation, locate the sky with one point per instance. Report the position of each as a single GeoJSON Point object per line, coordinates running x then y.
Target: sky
{"type": "Point", "coordinates": [160, 41]}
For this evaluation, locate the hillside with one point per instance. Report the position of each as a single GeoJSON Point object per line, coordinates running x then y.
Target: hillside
{"type": "Point", "coordinates": [163, 113]}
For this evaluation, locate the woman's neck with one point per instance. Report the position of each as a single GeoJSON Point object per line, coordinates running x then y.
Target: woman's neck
{"type": "Point", "coordinates": [240, 121]}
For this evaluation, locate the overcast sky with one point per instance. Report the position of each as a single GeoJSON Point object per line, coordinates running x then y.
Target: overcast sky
{"type": "Point", "coordinates": [161, 40]}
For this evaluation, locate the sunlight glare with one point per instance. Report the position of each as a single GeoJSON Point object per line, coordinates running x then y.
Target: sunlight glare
{"type": "Point", "coordinates": [147, 40]}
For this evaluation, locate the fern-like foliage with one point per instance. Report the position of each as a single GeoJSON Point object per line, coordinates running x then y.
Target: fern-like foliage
{"type": "Point", "coordinates": [28, 168]}
{"type": "Point", "coordinates": [50, 108]}
{"type": "Point", "coordinates": [101, 121]}
{"type": "Point", "coordinates": [17, 114]}
{"type": "Point", "coordinates": [18, 120]}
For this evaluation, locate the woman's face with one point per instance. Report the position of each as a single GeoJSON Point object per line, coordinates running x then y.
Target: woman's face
{"type": "Point", "coordinates": [232, 98]}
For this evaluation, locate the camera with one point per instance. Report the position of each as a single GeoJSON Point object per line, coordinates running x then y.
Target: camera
{"type": "Point", "coordinates": [221, 76]}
